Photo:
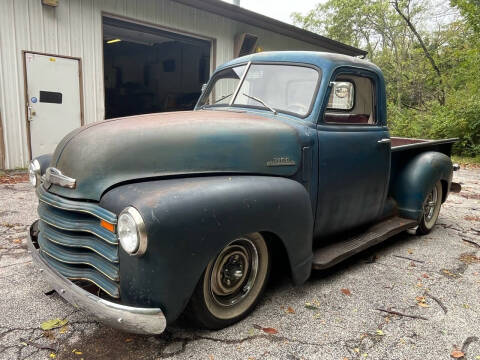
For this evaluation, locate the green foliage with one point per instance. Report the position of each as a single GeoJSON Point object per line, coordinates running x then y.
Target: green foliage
{"type": "Point", "coordinates": [470, 9]}
{"type": "Point", "coordinates": [459, 118]}
{"type": "Point", "coordinates": [422, 102]}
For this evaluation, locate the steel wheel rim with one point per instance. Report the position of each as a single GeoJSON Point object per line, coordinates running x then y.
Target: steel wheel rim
{"type": "Point", "coordinates": [234, 272]}
{"type": "Point", "coordinates": [430, 205]}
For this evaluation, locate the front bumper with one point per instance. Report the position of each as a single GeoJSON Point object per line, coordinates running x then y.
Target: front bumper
{"type": "Point", "coordinates": [126, 318]}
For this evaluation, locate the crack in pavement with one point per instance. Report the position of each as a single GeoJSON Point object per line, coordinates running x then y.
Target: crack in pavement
{"type": "Point", "coordinates": [188, 340]}
{"type": "Point", "coordinates": [33, 334]}
{"type": "Point", "coordinates": [347, 343]}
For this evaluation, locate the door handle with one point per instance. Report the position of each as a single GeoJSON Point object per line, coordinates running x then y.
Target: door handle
{"type": "Point", "coordinates": [384, 141]}
{"type": "Point", "coordinates": [29, 113]}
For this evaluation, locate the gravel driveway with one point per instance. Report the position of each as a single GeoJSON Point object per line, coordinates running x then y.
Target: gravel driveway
{"type": "Point", "coordinates": [335, 315]}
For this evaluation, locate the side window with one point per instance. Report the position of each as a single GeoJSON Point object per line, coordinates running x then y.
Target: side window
{"type": "Point", "coordinates": [352, 101]}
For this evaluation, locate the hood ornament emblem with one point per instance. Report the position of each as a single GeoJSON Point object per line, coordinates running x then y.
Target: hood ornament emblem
{"type": "Point", "coordinates": [54, 176]}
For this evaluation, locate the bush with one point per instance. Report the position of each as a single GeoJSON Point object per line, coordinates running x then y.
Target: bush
{"type": "Point", "coordinates": [459, 117]}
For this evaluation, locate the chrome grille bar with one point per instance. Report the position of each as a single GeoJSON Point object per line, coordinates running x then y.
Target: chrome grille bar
{"type": "Point", "coordinates": [72, 241]}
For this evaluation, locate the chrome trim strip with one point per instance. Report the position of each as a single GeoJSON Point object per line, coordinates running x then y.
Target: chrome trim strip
{"type": "Point", "coordinates": [126, 318]}
{"type": "Point", "coordinates": [80, 230]}
{"type": "Point", "coordinates": [65, 256]}
{"type": "Point", "coordinates": [65, 222]}
{"type": "Point", "coordinates": [83, 207]}
{"type": "Point", "coordinates": [90, 275]}
{"type": "Point", "coordinates": [102, 248]}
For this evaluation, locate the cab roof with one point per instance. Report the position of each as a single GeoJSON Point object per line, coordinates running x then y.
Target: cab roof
{"type": "Point", "coordinates": [323, 60]}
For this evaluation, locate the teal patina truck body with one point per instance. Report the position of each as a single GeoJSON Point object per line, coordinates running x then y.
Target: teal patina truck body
{"type": "Point", "coordinates": [287, 155]}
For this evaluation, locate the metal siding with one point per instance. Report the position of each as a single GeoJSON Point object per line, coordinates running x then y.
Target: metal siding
{"type": "Point", "coordinates": [11, 87]}
{"type": "Point", "coordinates": [74, 28]}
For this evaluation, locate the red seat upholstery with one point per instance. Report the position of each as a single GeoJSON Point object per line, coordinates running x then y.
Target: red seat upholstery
{"type": "Point", "coordinates": [342, 118]}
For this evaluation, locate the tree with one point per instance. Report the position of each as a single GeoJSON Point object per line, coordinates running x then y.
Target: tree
{"type": "Point", "coordinates": [406, 16]}
{"type": "Point", "coordinates": [470, 9]}
{"type": "Point", "coordinates": [432, 69]}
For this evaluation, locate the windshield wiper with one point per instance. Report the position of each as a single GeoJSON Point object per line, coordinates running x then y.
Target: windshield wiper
{"type": "Point", "coordinates": [222, 98]}
{"type": "Point", "coordinates": [216, 101]}
{"type": "Point", "coordinates": [261, 102]}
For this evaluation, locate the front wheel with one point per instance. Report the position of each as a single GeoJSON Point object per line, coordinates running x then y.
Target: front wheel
{"type": "Point", "coordinates": [232, 283]}
{"type": "Point", "coordinates": [431, 209]}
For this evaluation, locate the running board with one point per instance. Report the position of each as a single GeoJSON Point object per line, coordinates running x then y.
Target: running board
{"type": "Point", "coordinates": [333, 253]}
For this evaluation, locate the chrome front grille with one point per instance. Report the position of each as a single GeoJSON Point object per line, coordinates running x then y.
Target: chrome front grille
{"type": "Point", "coordinates": [73, 242]}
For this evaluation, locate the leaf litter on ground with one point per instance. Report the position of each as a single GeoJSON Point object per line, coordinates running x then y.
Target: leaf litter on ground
{"type": "Point", "coordinates": [53, 324]}
{"type": "Point", "coordinates": [268, 330]}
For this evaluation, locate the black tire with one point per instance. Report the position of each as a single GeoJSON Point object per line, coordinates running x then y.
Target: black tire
{"type": "Point", "coordinates": [431, 209]}
{"type": "Point", "coordinates": [232, 283]}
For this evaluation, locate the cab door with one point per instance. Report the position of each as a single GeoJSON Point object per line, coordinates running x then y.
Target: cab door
{"type": "Point", "coordinates": [354, 154]}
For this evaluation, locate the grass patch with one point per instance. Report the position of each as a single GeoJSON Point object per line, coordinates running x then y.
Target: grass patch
{"type": "Point", "coordinates": [465, 160]}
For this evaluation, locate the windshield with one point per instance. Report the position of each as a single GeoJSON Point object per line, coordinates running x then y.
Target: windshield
{"type": "Point", "coordinates": [275, 87]}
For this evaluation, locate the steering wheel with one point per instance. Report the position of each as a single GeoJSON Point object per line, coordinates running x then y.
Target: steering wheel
{"type": "Point", "coordinates": [297, 108]}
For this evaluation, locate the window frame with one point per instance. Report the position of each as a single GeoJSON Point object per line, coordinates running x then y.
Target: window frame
{"type": "Point", "coordinates": [284, 63]}
{"type": "Point", "coordinates": [359, 72]}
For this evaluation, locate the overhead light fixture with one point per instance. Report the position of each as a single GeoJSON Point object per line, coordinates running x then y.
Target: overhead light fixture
{"type": "Point", "coordinates": [53, 3]}
{"type": "Point", "coordinates": [113, 41]}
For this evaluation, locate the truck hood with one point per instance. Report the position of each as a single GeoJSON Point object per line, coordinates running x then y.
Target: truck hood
{"type": "Point", "coordinates": [101, 155]}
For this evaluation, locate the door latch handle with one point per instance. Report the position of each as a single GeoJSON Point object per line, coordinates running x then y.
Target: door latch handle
{"type": "Point", "coordinates": [29, 113]}
{"type": "Point", "coordinates": [384, 141]}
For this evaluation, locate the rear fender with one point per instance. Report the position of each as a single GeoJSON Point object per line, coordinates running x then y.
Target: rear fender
{"type": "Point", "coordinates": [416, 178]}
{"type": "Point", "coordinates": [189, 220]}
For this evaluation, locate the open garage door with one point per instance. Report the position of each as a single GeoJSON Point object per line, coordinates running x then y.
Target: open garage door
{"type": "Point", "coordinates": [150, 70]}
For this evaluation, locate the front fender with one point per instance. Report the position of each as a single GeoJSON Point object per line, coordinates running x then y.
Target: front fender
{"type": "Point", "coordinates": [417, 177]}
{"type": "Point", "coordinates": [189, 220]}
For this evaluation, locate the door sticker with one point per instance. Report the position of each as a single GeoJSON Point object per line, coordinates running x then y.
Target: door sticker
{"type": "Point", "coordinates": [34, 99]}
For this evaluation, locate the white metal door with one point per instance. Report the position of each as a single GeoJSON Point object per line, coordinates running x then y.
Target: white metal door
{"type": "Point", "coordinates": [53, 100]}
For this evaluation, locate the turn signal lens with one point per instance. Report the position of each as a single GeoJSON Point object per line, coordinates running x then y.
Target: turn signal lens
{"type": "Point", "coordinates": [107, 225]}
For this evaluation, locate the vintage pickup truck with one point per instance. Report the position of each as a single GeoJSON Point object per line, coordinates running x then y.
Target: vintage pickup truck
{"type": "Point", "coordinates": [287, 155]}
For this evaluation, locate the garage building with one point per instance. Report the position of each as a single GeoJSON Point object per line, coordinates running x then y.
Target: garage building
{"type": "Point", "coordinates": [66, 63]}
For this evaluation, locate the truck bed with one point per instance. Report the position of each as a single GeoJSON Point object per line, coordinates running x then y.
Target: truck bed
{"type": "Point", "coordinates": [403, 143]}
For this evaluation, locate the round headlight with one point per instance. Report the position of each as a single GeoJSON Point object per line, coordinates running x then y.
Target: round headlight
{"type": "Point", "coordinates": [34, 172]}
{"type": "Point", "coordinates": [131, 232]}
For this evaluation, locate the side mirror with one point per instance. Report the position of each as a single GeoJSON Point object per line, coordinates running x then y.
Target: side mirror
{"type": "Point", "coordinates": [342, 96]}
{"type": "Point", "coordinates": [204, 87]}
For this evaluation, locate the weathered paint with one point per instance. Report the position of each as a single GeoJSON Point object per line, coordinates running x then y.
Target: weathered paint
{"type": "Point", "coordinates": [414, 176]}
{"type": "Point", "coordinates": [171, 144]}
{"type": "Point", "coordinates": [74, 28]}
{"type": "Point", "coordinates": [191, 218]}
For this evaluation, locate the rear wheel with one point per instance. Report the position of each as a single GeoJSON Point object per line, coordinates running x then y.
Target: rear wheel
{"type": "Point", "coordinates": [431, 209]}
{"type": "Point", "coordinates": [232, 283]}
